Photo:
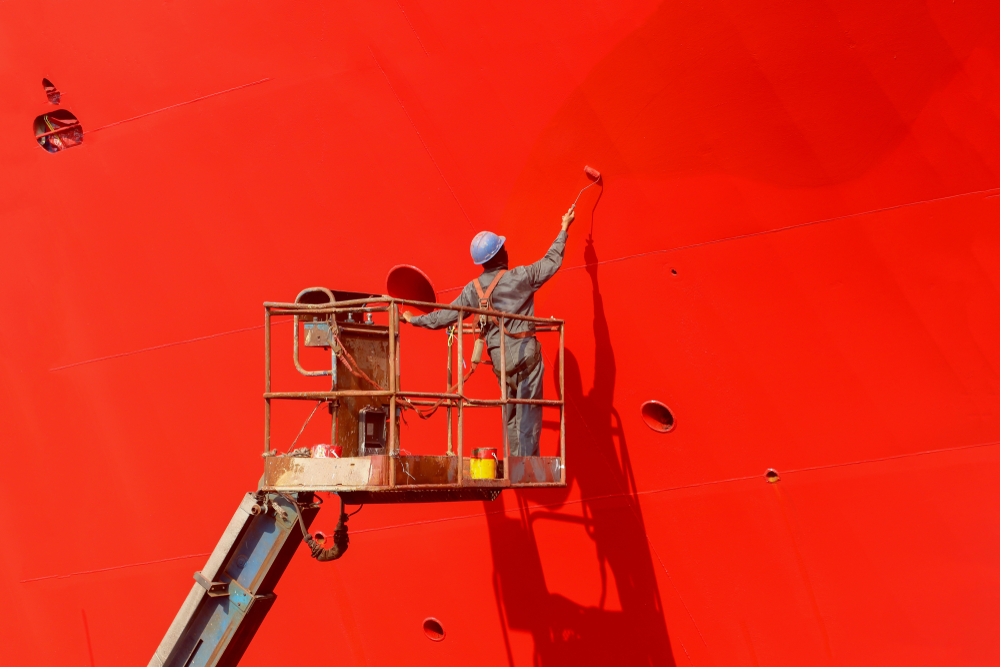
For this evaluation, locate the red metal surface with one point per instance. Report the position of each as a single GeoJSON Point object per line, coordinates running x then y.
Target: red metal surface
{"type": "Point", "coordinates": [804, 195]}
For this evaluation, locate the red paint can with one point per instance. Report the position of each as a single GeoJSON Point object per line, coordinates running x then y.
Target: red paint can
{"type": "Point", "coordinates": [485, 453]}
{"type": "Point", "coordinates": [327, 451]}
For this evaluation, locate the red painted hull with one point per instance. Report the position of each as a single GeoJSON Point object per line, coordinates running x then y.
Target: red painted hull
{"type": "Point", "coordinates": [796, 249]}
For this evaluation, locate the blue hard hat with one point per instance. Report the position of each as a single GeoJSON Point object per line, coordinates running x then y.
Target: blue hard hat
{"type": "Point", "coordinates": [485, 245]}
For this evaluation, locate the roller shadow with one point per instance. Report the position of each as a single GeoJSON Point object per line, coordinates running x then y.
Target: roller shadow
{"type": "Point", "coordinates": [631, 630]}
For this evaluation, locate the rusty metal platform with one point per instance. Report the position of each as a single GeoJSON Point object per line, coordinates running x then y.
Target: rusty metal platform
{"type": "Point", "coordinates": [367, 355]}
{"type": "Point", "coordinates": [371, 473]}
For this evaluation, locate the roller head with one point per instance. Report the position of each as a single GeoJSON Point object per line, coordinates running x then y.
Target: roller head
{"type": "Point", "coordinates": [593, 173]}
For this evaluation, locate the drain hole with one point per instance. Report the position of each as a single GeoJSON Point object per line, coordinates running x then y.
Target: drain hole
{"type": "Point", "coordinates": [51, 91]}
{"type": "Point", "coordinates": [772, 476]}
{"type": "Point", "coordinates": [673, 271]}
{"type": "Point", "coordinates": [657, 416]}
{"type": "Point", "coordinates": [433, 629]}
{"type": "Point", "coordinates": [58, 131]}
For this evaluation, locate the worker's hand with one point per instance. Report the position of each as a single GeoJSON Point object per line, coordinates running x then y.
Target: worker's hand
{"type": "Point", "coordinates": [407, 316]}
{"type": "Point", "coordinates": [567, 219]}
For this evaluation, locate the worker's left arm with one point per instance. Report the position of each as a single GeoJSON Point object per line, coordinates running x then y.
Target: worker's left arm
{"type": "Point", "coordinates": [439, 319]}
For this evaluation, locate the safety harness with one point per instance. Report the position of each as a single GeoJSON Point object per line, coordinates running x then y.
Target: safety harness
{"type": "Point", "coordinates": [516, 372]}
{"type": "Point", "coordinates": [486, 303]}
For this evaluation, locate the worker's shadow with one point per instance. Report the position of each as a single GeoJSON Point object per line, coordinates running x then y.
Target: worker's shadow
{"type": "Point", "coordinates": [626, 626]}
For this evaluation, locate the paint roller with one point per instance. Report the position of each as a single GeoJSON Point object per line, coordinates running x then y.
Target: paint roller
{"type": "Point", "coordinates": [592, 173]}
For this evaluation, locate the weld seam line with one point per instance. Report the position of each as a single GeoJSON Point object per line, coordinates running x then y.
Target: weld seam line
{"type": "Point", "coordinates": [157, 347]}
{"type": "Point", "coordinates": [561, 504]}
{"type": "Point", "coordinates": [114, 567]}
{"type": "Point", "coordinates": [690, 486]}
{"type": "Point", "coordinates": [420, 136]}
{"type": "Point", "coordinates": [572, 268]}
{"type": "Point", "coordinates": [412, 28]}
{"type": "Point", "coordinates": [179, 104]}
{"type": "Point", "coordinates": [893, 457]}
{"type": "Point", "coordinates": [673, 584]}
{"type": "Point", "coordinates": [763, 232]}
{"type": "Point", "coordinates": [827, 466]}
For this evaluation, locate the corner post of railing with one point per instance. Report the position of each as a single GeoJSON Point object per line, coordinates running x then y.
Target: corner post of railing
{"type": "Point", "coordinates": [267, 379]}
{"type": "Point", "coordinates": [447, 390]}
{"type": "Point", "coordinates": [503, 396]}
{"type": "Point", "coordinates": [461, 398]}
{"type": "Point", "coordinates": [393, 328]}
{"type": "Point", "coordinates": [394, 388]}
{"type": "Point", "coordinates": [394, 310]}
{"type": "Point", "coordinates": [334, 405]}
{"type": "Point", "coordinates": [562, 402]}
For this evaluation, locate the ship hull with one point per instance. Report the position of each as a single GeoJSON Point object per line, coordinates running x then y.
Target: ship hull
{"type": "Point", "coordinates": [793, 247]}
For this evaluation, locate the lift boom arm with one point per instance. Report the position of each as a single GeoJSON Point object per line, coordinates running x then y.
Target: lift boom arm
{"type": "Point", "coordinates": [234, 591]}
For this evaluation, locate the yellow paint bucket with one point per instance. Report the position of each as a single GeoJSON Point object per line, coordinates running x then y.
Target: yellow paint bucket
{"type": "Point", "coordinates": [483, 464]}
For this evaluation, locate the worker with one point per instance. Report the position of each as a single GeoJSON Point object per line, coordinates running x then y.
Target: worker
{"type": "Point", "coordinates": [509, 291]}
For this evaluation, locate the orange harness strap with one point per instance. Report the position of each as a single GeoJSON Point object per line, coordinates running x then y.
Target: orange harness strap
{"type": "Point", "coordinates": [486, 303]}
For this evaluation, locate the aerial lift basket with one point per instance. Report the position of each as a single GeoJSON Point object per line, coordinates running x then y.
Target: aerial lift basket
{"type": "Point", "coordinates": [365, 402]}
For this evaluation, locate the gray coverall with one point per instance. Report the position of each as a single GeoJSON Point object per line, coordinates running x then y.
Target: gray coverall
{"type": "Point", "coordinates": [515, 293]}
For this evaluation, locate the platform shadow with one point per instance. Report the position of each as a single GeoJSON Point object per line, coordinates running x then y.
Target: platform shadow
{"type": "Point", "coordinates": [627, 624]}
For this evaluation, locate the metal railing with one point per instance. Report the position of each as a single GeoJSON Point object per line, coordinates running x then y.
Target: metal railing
{"type": "Point", "coordinates": [455, 401]}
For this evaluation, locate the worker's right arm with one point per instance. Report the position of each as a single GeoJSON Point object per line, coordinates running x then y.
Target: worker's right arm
{"type": "Point", "coordinates": [439, 319]}
{"type": "Point", "coordinates": [546, 267]}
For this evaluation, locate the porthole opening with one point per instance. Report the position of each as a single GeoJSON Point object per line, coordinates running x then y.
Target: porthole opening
{"type": "Point", "coordinates": [433, 629]}
{"type": "Point", "coordinates": [772, 476]}
{"type": "Point", "coordinates": [57, 131]}
{"type": "Point", "coordinates": [657, 416]}
{"type": "Point", "coordinates": [51, 92]}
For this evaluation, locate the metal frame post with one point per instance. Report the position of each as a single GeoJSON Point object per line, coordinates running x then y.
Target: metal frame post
{"type": "Point", "coordinates": [562, 403]}
{"type": "Point", "coordinates": [447, 389]}
{"type": "Point", "coordinates": [334, 404]}
{"type": "Point", "coordinates": [394, 316]}
{"type": "Point", "coordinates": [461, 401]}
{"type": "Point", "coordinates": [267, 379]}
{"type": "Point", "coordinates": [393, 449]}
{"type": "Point", "coordinates": [504, 406]}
